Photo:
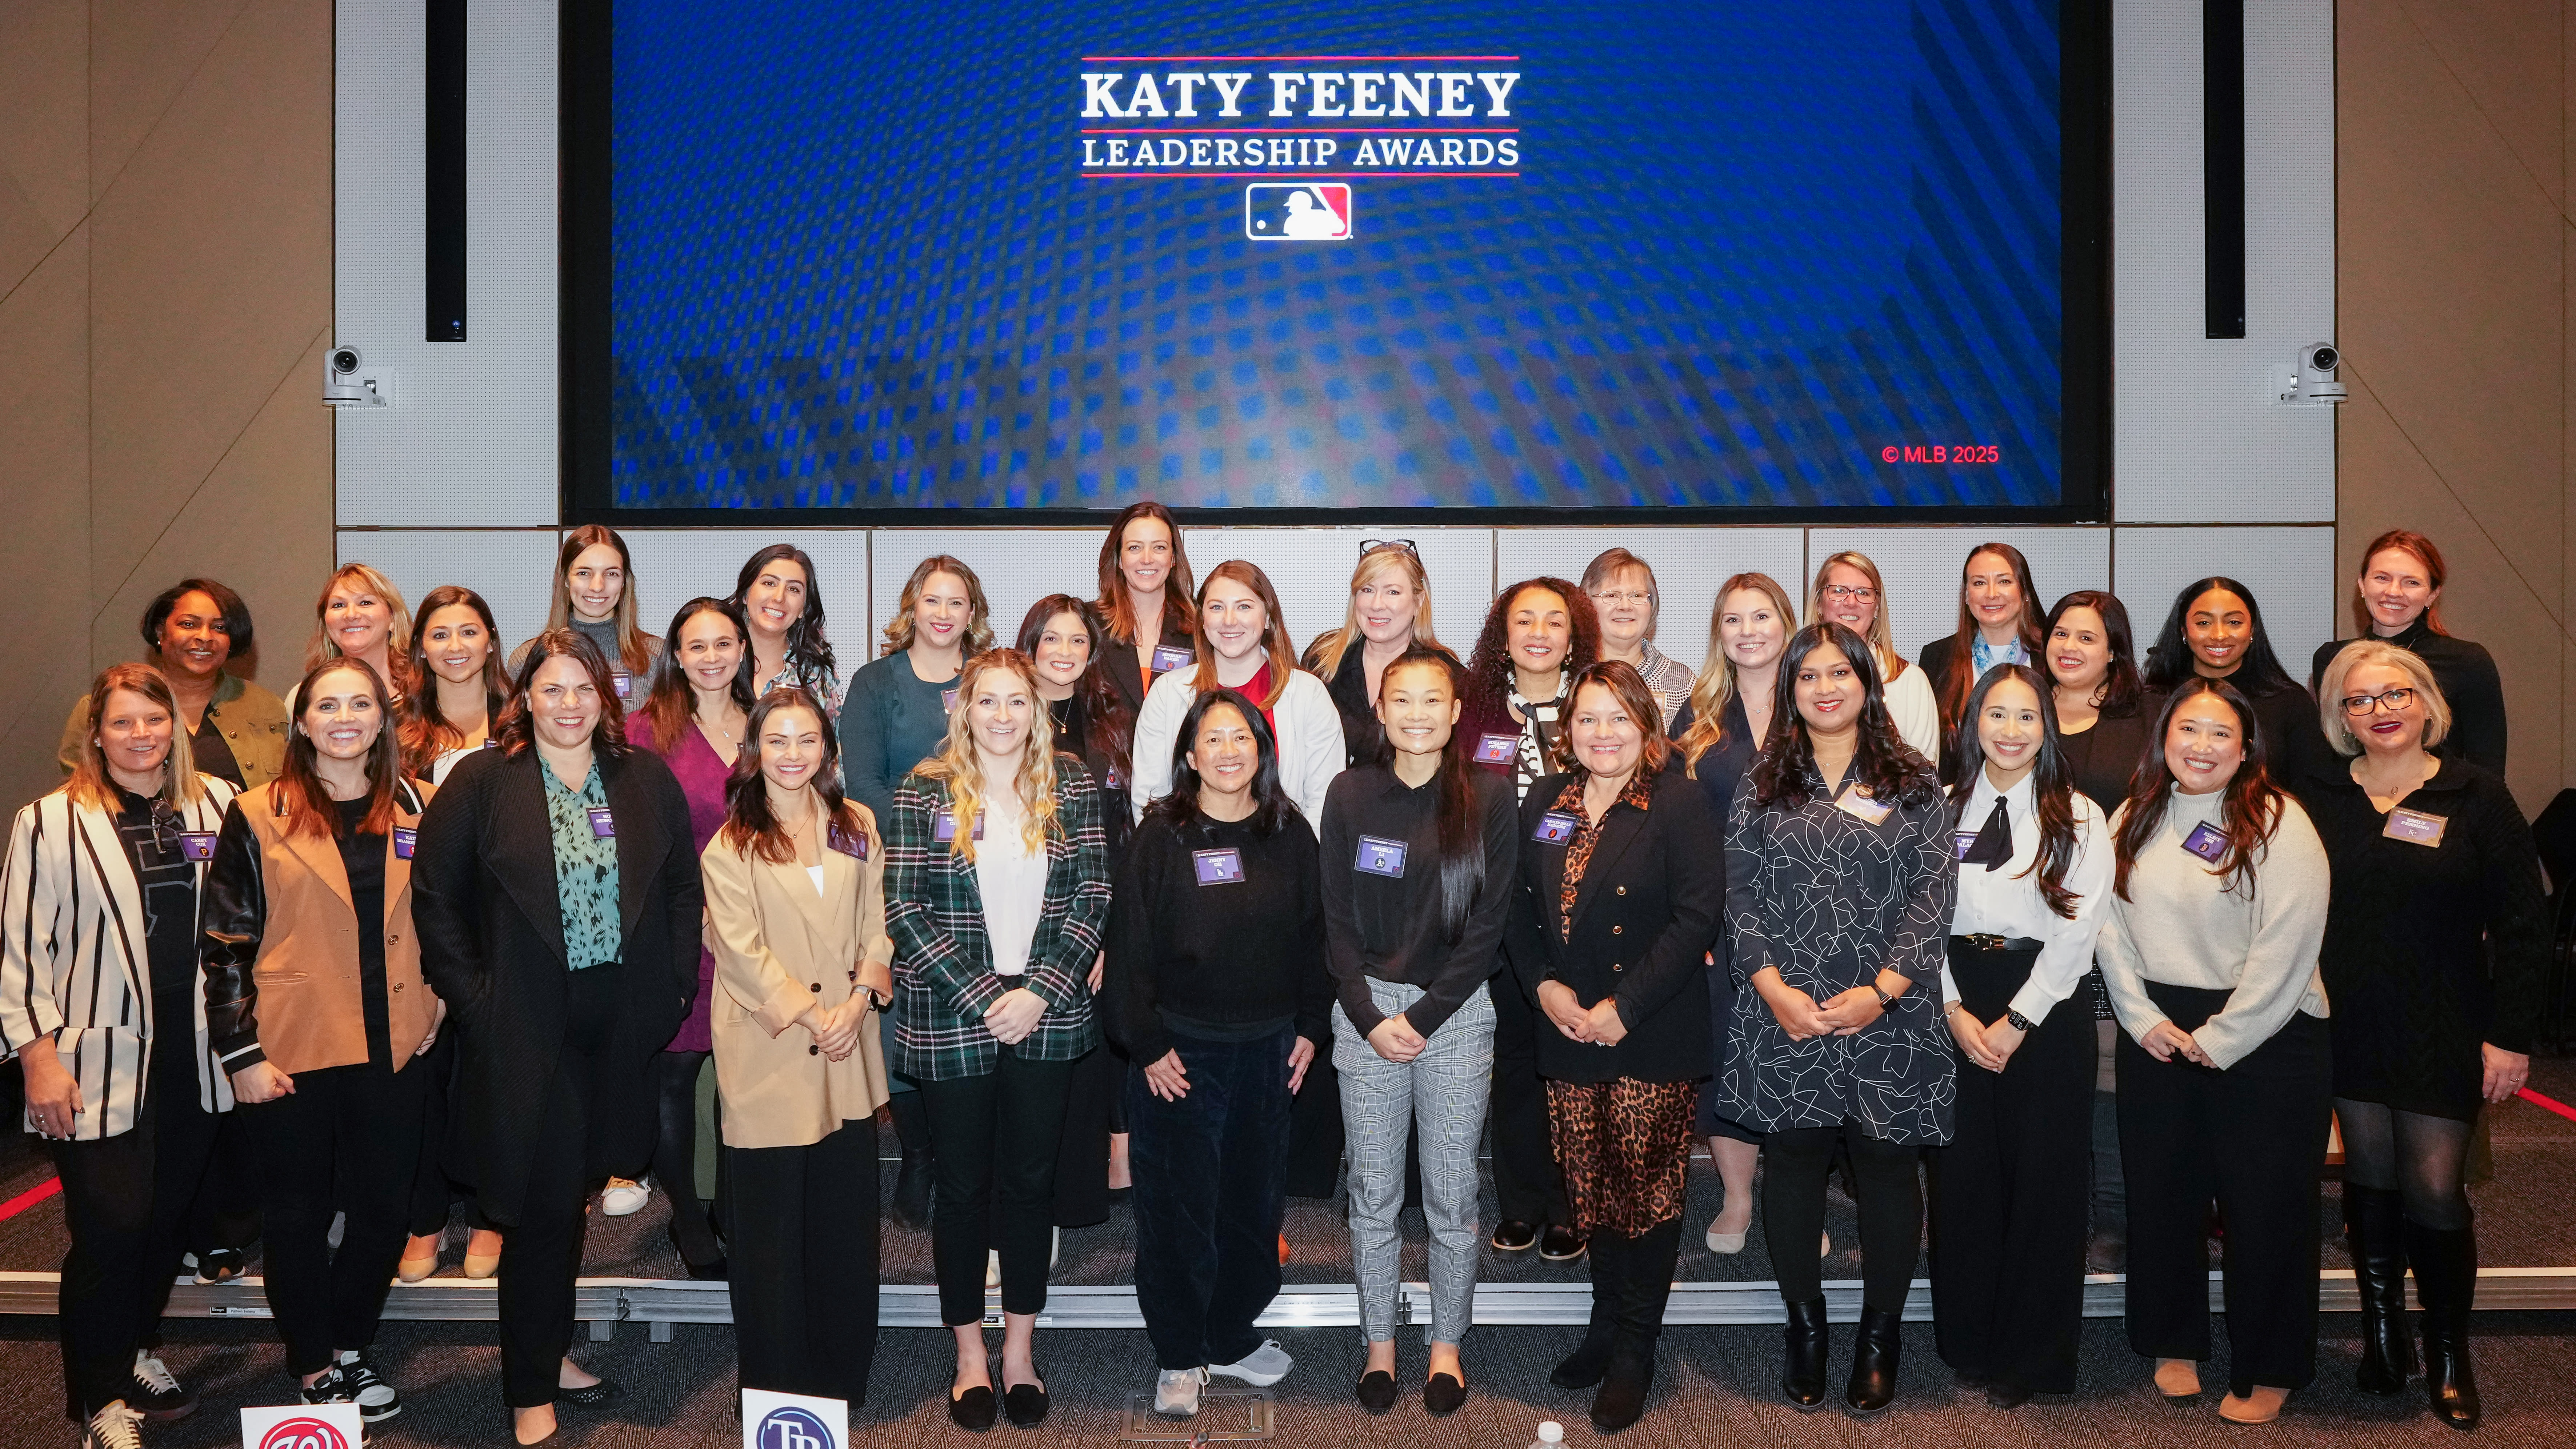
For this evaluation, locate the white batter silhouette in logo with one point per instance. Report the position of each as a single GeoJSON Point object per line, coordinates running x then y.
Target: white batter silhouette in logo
{"type": "Point", "coordinates": [1297, 211]}
{"type": "Point", "coordinates": [1310, 219]}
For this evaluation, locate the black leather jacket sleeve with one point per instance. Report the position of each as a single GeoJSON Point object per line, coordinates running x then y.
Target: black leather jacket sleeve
{"type": "Point", "coordinates": [235, 916]}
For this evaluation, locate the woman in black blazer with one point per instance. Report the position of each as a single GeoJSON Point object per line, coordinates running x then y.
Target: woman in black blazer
{"type": "Point", "coordinates": [557, 900]}
{"type": "Point", "coordinates": [1999, 623]}
{"type": "Point", "coordinates": [1622, 883]}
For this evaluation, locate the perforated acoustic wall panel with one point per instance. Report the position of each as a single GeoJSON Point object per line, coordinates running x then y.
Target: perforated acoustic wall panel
{"type": "Point", "coordinates": [1016, 566]}
{"type": "Point", "coordinates": [1689, 564]}
{"type": "Point", "coordinates": [1921, 567]}
{"type": "Point", "coordinates": [2290, 570]}
{"type": "Point", "coordinates": [510, 569]}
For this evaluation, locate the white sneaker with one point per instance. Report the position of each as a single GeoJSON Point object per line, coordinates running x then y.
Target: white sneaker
{"type": "Point", "coordinates": [623, 1198]}
{"type": "Point", "coordinates": [1260, 1368]}
{"type": "Point", "coordinates": [114, 1427]}
{"type": "Point", "coordinates": [1176, 1392]}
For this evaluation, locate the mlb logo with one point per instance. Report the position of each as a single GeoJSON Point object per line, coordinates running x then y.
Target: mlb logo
{"type": "Point", "coordinates": [1297, 211]}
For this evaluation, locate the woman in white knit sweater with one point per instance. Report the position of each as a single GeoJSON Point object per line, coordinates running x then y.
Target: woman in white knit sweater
{"type": "Point", "coordinates": [2210, 949]}
{"type": "Point", "coordinates": [1246, 648]}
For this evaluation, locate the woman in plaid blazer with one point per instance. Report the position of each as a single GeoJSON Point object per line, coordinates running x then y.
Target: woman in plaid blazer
{"type": "Point", "coordinates": [997, 889]}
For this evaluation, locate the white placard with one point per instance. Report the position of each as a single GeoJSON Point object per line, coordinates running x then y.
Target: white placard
{"type": "Point", "coordinates": [303, 1426]}
{"type": "Point", "coordinates": [793, 1421]}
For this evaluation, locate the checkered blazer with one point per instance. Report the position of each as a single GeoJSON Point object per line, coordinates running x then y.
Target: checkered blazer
{"type": "Point", "coordinates": [943, 961]}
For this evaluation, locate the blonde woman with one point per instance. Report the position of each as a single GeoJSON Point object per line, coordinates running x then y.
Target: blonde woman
{"type": "Point", "coordinates": [1624, 597]}
{"type": "Point", "coordinates": [1849, 592]}
{"type": "Point", "coordinates": [361, 615]}
{"type": "Point", "coordinates": [594, 595]}
{"type": "Point", "coordinates": [120, 1081]}
{"type": "Point", "coordinates": [1390, 612]}
{"type": "Point", "coordinates": [997, 892]}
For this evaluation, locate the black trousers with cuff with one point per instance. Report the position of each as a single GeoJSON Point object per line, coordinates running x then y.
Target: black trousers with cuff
{"type": "Point", "coordinates": [993, 1147]}
{"type": "Point", "coordinates": [346, 1140]}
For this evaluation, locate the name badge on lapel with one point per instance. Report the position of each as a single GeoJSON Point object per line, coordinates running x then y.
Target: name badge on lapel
{"type": "Point", "coordinates": [1168, 657]}
{"type": "Point", "coordinates": [1218, 867]}
{"type": "Point", "coordinates": [1855, 802]}
{"type": "Point", "coordinates": [490, 743]}
{"type": "Point", "coordinates": [623, 683]}
{"type": "Point", "coordinates": [603, 821]}
{"type": "Point", "coordinates": [1556, 827]}
{"type": "Point", "coordinates": [1961, 842]}
{"type": "Point", "coordinates": [197, 844]}
{"type": "Point", "coordinates": [1114, 779]}
{"type": "Point", "coordinates": [1497, 749]}
{"type": "Point", "coordinates": [948, 701]}
{"type": "Point", "coordinates": [2415, 825]}
{"type": "Point", "coordinates": [2206, 841]}
{"type": "Point", "coordinates": [405, 838]}
{"type": "Point", "coordinates": [943, 826]}
{"type": "Point", "coordinates": [852, 843]}
{"type": "Point", "coordinates": [1379, 856]}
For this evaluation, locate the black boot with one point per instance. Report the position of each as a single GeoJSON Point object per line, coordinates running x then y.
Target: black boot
{"type": "Point", "coordinates": [1874, 1350]}
{"type": "Point", "coordinates": [2374, 1229]}
{"type": "Point", "coordinates": [1646, 1282]}
{"type": "Point", "coordinates": [2446, 1283]}
{"type": "Point", "coordinates": [1583, 1368]}
{"type": "Point", "coordinates": [1802, 1365]}
{"type": "Point", "coordinates": [911, 1205]}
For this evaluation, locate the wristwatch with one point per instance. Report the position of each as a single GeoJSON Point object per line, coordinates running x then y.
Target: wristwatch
{"type": "Point", "coordinates": [2020, 1023]}
{"type": "Point", "coordinates": [1885, 1001]}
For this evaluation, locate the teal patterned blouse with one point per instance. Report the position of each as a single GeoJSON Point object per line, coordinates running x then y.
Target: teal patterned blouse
{"type": "Point", "coordinates": [585, 870]}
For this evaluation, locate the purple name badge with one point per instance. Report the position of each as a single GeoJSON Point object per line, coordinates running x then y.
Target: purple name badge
{"type": "Point", "coordinates": [1380, 856]}
{"type": "Point", "coordinates": [1961, 842]}
{"type": "Point", "coordinates": [1556, 827]}
{"type": "Point", "coordinates": [943, 826]}
{"type": "Point", "coordinates": [948, 701]}
{"type": "Point", "coordinates": [2415, 826]}
{"type": "Point", "coordinates": [2206, 841]}
{"type": "Point", "coordinates": [1218, 867]}
{"type": "Point", "coordinates": [197, 844]}
{"type": "Point", "coordinates": [1497, 749]}
{"type": "Point", "coordinates": [1168, 657]}
{"type": "Point", "coordinates": [623, 683]}
{"type": "Point", "coordinates": [603, 822]}
{"type": "Point", "coordinates": [854, 844]}
{"type": "Point", "coordinates": [404, 839]}
{"type": "Point", "coordinates": [1114, 779]}
{"type": "Point", "coordinates": [490, 743]}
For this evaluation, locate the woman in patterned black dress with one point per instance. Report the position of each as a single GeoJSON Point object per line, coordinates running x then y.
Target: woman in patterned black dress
{"type": "Point", "coordinates": [1839, 891]}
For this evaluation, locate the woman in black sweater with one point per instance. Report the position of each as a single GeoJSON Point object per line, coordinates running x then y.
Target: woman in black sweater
{"type": "Point", "coordinates": [2398, 597]}
{"type": "Point", "coordinates": [2215, 631]}
{"type": "Point", "coordinates": [2436, 948]}
{"type": "Point", "coordinates": [1622, 884]}
{"type": "Point", "coordinates": [1216, 988]}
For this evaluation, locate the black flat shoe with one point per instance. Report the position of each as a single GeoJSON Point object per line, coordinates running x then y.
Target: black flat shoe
{"type": "Point", "coordinates": [598, 1395]}
{"type": "Point", "coordinates": [1560, 1245]}
{"type": "Point", "coordinates": [1583, 1368]}
{"type": "Point", "coordinates": [2005, 1394]}
{"type": "Point", "coordinates": [1514, 1236]}
{"type": "Point", "coordinates": [1376, 1392]}
{"type": "Point", "coordinates": [713, 1272]}
{"type": "Point", "coordinates": [1443, 1395]}
{"type": "Point", "coordinates": [1025, 1405]}
{"type": "Point", "coordinates": [973, 1410]}
{"type": "Point", "coordinates": [221, 1265]}
{"type": "Point", "coordinates": [1970, 1379]}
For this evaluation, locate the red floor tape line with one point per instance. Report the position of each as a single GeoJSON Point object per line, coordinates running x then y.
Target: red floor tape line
{"type": "Point", "coordinates": [2526, 1094]}
{"type": "Point", "coordinates": [52, 1185]}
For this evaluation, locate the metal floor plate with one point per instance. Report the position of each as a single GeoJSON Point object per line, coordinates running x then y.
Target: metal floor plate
{"type": "Point", "coordinates": [1225, 1416]}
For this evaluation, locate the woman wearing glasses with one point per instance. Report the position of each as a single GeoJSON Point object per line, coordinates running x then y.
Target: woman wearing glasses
{"type": "Point", "coordinates": [2399, 598]}
{"type": "Point", "coordinates": [2436, 950]}
{"type": "Point", "coordinates": [1848, 592]}
{"type": "Point", "coordinates": [1390, 613]}
{"type": "Point", "coordinates": [1623, 593]}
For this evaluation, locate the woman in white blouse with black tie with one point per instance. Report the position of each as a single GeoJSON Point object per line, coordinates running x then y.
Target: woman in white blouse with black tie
{"type": "Point", "coordinates": [2008, 1192]}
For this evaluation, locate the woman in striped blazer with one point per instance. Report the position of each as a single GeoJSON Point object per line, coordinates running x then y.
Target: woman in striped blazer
{"type": "Point", "coordinates": [99, 1003]}
{"type": "Point", "coordinates": [997, 890]}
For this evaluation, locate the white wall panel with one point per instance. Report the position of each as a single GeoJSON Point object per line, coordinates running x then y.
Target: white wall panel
{"type": "Point", "coordinates": [2290, 570]}
{"type": "Point", "coordinates": [1921, 567]}
{"type": "Point", "coordinates": [1689, 564]}
{"type": "Point", "coordinates": [511, 569]}
{"type": "Point", "coordinates": [673, 566]}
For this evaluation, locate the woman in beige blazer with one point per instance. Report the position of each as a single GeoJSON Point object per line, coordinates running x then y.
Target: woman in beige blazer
{"type": "Point", "coordinates": [796, 919]}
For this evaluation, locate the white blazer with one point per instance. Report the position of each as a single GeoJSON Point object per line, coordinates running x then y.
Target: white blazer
{"type": "Point", "coordinates": [1310, 740]}
{"type": "Point", "coordinates": [75, 965]}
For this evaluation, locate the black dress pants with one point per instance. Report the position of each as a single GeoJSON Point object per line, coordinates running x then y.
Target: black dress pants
{"type": "Point", "coordinates": [541, 1252]}
{"type": "Point", "coordinates": [433, 1195]}
{"type": "Point", "coordinates": [804, 1259]}
{"type": "Point", "coordinates": [346, 1140]}
{"type": "Point", "coordinates": [1527, 1185]}
{"type": "Point", "coordinates": [2251, 1139]}
{"type": "Point", "coordinates": [993, 1145]}
{"type": "Point", "coordinates": [2009, 1193]}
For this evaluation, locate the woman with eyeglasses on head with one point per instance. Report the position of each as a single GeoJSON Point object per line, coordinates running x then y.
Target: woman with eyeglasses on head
{"type": "Point", "coordinates": [796, 920]}
{"type": "Point", "coordinates": [997, 887]}
{"type": "Point", "coordinates": [100, 1004]}
{"type": "Point", "coordinates": [2008, 1192]}
{"type": "Point", "coordinates": [2215, 631]}
{"type": "Point", "coordinates": [1148, 600]}
{"type": "Point", "coordinates": [317, 1010]}
{"type": "Point", "coordinates": [456, 656]}
{"type": "Point", "coordinates": [2436, 958]}
{"type": "Point", "coordinates": [1849, 592]}
{"type": "Point", "coordinates": [594, 596]}
{"type": "Point", "coordinates": [1999, 623]}
{"type": "Point", "coordinates": [1216, 988]}
{"type": "Point", "coordinates": [2398, 597]}
{"type": "Point", "coordinates": [1839, 890]}
{"type": "Point", "coordinates": [1390, 613]}
{"type": "Point", "coordinates": [782, 606]}
{"type": "Point", "coordinates": [361, 615]}
{"type": "Point", "coordinates": [236, 729]}
{"type": "Point", "coordinates": [1537, 636]}
{"type": "Point", "coordinates": [2210, 948]}
{"type": "Point", "coordinates": [1625, 600]}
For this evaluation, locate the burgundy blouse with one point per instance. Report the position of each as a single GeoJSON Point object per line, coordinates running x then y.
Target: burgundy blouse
{"type": "Point", "coordinates": [702, 775]}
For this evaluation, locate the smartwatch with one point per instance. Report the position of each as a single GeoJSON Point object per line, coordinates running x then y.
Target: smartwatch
{"type": "Point", "coordinates": [1885, 1001]}
{"type": "Point", "coordinates": [2020, 1023]}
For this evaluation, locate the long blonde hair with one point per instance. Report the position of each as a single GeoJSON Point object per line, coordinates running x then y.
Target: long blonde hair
{"type": "Point", "coordinates": [90, 783]}
{"type": "Point", "coordinates": [1716, 683]}
{"type": "Point", "coordinates": [1882, 638]}
{"type": "Point", "coordinates": [1324, 655]}
{"type": "Point", "coordinates": [634, 649]}
{"type": "Point", "coordinates": [979, 620]}
{"type": "Point", "coordinates": [955, 761]}
{"type": "Point", "coordinates": [324, 648]}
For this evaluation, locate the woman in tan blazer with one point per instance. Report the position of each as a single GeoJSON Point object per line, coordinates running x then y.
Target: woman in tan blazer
{"type": "Point", "coordinates": [315, 1006]}
{"type": "Point", "coordinates": [796, 919]}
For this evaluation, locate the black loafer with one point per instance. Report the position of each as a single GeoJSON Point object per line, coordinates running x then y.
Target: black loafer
{"type": "Point", "coordinates": [1560, 1245]}
{"type": "Point", "coordinates": [2005, 1394]}
{"type": "Point", "coordinates": [1514, 1236]}
{"type": "Point", "coordinates": [221, 1265]}
{"type": "Point", "coordinates": [1377, 1391]}
{"type": "Point", "coordinates": [605, 1392]}
{"type": "Point", "coordinates": [1443, 1395]}
{"type": "Point", "coordinates": [972, 1410]}
{"type": "Point", "coordinates": [1025, 1405]}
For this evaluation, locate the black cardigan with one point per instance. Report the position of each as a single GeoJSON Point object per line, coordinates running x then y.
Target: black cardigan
{"type": "Point", "coordinates": [2470, 685]}
{"type": "Point", "coordinates": [491, 934]}
{"type": "Point", "coordinates": [1645, 917]}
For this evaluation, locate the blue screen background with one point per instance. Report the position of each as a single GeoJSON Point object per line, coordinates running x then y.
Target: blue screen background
{"type": "Point", "coordinates": [1752, 247]}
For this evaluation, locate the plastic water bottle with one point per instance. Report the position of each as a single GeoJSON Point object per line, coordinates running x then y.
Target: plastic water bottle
{"type": "Point", "coordinates": [1551, 1435]}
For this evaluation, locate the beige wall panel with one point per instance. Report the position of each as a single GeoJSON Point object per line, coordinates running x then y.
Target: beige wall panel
{"type": "Point", "coordinates": [2507, 53]}
{"type": "Point", "coordinates": [44, 474]}
{"type": "Point", "coordinates": [212, 277]}
{"type": "Point", "coordinates": [44, 128]}
{"type": "Point", "coordinates": [142, 55]}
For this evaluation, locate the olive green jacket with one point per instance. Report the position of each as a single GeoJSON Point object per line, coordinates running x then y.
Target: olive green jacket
{"type": "Point", "coordinates": [251, 720]}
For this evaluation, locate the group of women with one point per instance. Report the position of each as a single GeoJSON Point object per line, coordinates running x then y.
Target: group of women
{"type": "Point", "coordinates": [1142, 903]}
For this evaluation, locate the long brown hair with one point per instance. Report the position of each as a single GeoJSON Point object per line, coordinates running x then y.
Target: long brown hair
{"type": "Point", "coordinates": [673, 702]}
{"type": "Point", "coordinates": [518, 730]}
{"type": "Point", "coordinates": [427, 733]}
{"type": "Point", "coordinates": [1107, 724]}
{"type": "Point", "coordinates": [1960, 675]}
{"type": "Point", "coordinates": [954, 760]}
{"type": "Point", "coordinates": [1716, 683]}
{"type": "Point", "coordinates": [90, 783]}
{"type": "Point", "coordinates": [1884, 763]}
{"type": "Point", "coordinates": [749, 825]}
{"type": "Point", "coordinates": [1180, 592]}
{"type": "Point", "coordinates": [1274, 631]}
{"type": "Point", "coordinates": [2405, 540]}
{"type": "Point", "coordinates": [2249, 814]}
{"type": "Point", "coordinates": [307, 802]}
{"type": "Point", "coordinates": [979, 614]}
{"type": "Point", "coordinates": [2052, 785]}
{"type": "Point", "coordinates": [1489, 668]}
{"type": "Point", "coordinates": [633, 653]}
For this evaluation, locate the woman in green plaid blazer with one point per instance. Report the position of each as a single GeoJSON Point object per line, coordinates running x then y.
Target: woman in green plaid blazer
{"type": "Point", "coordinates": [997, 892]}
